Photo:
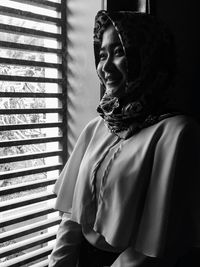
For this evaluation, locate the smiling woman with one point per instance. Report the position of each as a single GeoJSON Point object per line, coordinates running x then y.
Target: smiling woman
{"type": "Point", "coordinates": [129, 192]}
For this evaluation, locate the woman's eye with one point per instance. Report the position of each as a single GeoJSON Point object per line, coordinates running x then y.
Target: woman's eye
{"type": "Point", "coordinates": [102, 56]}
{"type": "Point", "coordinates": [119, 52]}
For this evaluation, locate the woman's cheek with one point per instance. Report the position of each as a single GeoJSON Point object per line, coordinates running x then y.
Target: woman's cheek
{"type": "Point", "coordinates": [122, 66]}
{"type": "Point", "coordinates": [100, 72]}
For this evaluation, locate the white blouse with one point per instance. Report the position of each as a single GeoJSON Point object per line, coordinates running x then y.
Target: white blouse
{"type": "Point", "coordinates": [135, 192]}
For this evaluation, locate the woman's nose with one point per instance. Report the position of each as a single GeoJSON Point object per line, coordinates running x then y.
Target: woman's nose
{"type": "Point", "coordinates": [108, 64]}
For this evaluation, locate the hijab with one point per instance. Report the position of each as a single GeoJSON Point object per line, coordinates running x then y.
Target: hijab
{"type": "Point", "coordinates": [150, 61]}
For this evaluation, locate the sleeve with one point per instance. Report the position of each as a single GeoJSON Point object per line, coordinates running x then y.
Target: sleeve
{"type": "Point", "coordinates": [68, 241]}
{"type": "Point", "coordinates": [183, 227]}
{"type": "Point", "coordinates": [170, 222]}
{"type": "Point", "coordinates": [64, 187]}
{"type": "Point", "coordinates": [184, 217]}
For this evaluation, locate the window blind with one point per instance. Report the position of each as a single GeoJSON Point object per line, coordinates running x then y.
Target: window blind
{"type": "Point", "coordinates": [33, 133]}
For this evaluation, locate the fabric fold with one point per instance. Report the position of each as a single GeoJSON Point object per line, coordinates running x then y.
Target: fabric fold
{"type": "Point", "coordinates": [140, 185]}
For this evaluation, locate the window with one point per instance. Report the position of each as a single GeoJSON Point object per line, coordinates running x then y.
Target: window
{"type": "Point", "coordinates": [33, 136]}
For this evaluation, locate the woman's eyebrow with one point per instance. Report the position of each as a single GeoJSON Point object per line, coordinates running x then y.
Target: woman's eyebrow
{"type": "Point", "coordinates": [111, 45]}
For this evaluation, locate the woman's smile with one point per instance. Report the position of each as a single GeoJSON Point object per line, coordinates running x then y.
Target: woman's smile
{"type": "Point", "coordinates": [112, 65]}
{"type": "Point", "coordinates": [112, 80]}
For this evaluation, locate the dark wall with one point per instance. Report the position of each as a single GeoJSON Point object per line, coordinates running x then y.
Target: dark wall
{"type": "Point", "coordinates": [122, 5]}
{"type": "Point", "coordinates": [183, 17]}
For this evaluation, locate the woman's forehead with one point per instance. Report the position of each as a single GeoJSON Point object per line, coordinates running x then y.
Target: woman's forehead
{"type": "Point", "coordinates": [110, 37]}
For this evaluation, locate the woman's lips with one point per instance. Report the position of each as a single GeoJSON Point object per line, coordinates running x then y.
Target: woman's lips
{"type": "Point", "coordinates": [112, 81]}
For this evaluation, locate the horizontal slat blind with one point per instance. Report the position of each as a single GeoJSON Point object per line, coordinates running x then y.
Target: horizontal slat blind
{"type": "Point", "coordinates": [33, 136]}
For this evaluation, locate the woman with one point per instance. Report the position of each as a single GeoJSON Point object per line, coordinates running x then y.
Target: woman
{"type": "Point", "coordinates": [129, 191]}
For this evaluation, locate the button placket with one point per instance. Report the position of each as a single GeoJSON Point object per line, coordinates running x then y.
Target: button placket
{"type": "Point", "coordinates": [95, 170]}
{"type": "Point", "coordinates": [106, 173]}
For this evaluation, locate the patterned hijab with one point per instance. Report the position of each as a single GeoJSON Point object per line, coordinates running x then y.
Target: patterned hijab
{"type": "Point", "coordinates": [150, 61]}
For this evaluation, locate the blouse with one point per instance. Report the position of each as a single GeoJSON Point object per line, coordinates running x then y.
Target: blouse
{"type": "Point", "coordinates": [142, 192]}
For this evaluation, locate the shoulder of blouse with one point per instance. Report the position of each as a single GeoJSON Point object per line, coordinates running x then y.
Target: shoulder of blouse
{"type": "Point", "coordinates": [182, 123]}
{"type": "Point", "coordinates": [92, 125]}
{"type": "Point", "coordinates": [185, 130]}
{"type": "Point", "coordinates": [88, 131]}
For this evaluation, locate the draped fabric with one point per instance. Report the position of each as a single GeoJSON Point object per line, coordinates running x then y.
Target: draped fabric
{"type": "Point", "coordinates": [146, 177]}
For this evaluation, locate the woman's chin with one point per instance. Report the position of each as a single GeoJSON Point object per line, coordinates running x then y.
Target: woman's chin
{"type": "Point", "coordinates": [110, 91]}
{"type": "Point", "coordinates": [114, 91]}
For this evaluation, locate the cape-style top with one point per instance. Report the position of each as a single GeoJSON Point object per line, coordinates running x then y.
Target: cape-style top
{"type": "Point", "coordinates": [141, 192]}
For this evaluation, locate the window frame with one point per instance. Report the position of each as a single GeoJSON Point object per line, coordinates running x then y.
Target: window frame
{"type": "Point", "coordinates": [62, 152]}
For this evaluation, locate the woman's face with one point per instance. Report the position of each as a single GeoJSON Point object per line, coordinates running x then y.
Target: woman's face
{"type": "Point", "coordinates": [112, 64]}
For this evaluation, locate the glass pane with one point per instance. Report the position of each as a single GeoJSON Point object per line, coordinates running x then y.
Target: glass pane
{"type": "Point", "coordinates": [28, 134]}
{"type": "Point", "coordinates": [33, 163]}
{"type": "Point", "coordinates": [29, 40]}
{"type": "Point", "coordinates": [26, 87]}
{"type": "Point", "coordinates": [30, 8]}
{"type": "Point", "coordinates": [34, 56]}
{"type": "Point", "coordinates": [54, 1]}
{"type": "Point", "coordinates": [28, 103]}
{"type": "Point", "coordinates": [28, 71]}
{"type": "Point", "coordinates": [41, 26]}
